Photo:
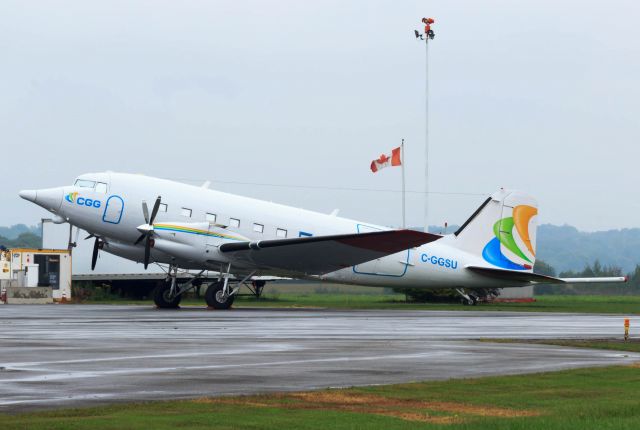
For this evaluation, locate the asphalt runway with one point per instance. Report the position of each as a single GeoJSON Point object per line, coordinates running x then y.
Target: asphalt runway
{"type": "Point", "coordinates": [71, 355]}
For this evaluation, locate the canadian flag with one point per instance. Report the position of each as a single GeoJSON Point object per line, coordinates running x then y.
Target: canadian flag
{"type": "Point", "coordinates": [385, 160]}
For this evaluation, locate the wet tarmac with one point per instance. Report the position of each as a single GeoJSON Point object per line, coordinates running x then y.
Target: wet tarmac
{"type": "Point", "coordinates": [71, 355]}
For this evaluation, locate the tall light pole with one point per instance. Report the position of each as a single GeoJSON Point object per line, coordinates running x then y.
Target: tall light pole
{"type": "Point", "coordinates": [427, 36]}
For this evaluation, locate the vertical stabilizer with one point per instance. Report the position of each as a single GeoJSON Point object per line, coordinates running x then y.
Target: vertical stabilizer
{"type": "Point", "coordinates": [502, 231]}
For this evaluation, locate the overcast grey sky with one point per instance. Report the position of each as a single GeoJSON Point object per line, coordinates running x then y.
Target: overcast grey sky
{"type": "Point", "coordinates": [536, 95]}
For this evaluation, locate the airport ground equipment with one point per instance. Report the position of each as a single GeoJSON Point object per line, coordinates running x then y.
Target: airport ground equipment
{"type": "Point", "coordinates": [38, 268]}
{"type": "Point", "coordinates": [5, 265]}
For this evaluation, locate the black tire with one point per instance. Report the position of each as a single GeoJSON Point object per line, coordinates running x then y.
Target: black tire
{"type": "Point", "coordinates": [472, 302]}
{"type": "Point", "coordinates": [214, 298]}
{"type": "Point", "coordinates": [161, 297]}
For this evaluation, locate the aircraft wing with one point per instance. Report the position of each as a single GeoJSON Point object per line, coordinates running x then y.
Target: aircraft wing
{"type": "Point", "coordinates": [317, 255]}
{"type": "Point", "coordinates": [518, 276]}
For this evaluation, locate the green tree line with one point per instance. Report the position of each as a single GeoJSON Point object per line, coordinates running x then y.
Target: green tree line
{"type": "Point", "coordinates": [24, 240]}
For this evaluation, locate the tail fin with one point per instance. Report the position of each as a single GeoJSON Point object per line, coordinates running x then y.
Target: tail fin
{"type": "Point", "coordinates": [502, 230]}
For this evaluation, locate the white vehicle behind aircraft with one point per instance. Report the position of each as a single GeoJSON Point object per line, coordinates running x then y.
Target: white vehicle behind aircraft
{"type": "Point", "coordinates": [197, 228]}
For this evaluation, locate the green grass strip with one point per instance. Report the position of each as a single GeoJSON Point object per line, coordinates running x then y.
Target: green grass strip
{"type": "Point", "coordinates": [596, 398]}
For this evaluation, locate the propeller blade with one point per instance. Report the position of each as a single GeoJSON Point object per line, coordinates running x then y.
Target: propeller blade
{"type": "Point", "coordinates": [145, 211]}
{"type": "Point", "coordinates": [147, 252]}
{"type": "Point", "coordinates": [94, 257]}
{"type": "Point", "coordinates": [154, 212]}
{"type": "Point", "coordinates": [89, 237]}
{"type": "Point", "coordinates": [142, 236]}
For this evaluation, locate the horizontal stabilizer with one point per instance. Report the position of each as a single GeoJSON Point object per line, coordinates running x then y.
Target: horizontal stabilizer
{"type": "Point", "coordinates": [317, 255]}
{"type": "Point", "coordinates": [594, 280]}
{"type": "Point", "coordinates": [518, 276]}
{"type": "Point", "coordinates": [515, 275]}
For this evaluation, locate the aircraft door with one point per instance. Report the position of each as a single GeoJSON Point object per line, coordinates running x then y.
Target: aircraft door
{"type": "Point", "coordinates": [391, 265]}
{"type": "Point", "coordinates": [113, 210]}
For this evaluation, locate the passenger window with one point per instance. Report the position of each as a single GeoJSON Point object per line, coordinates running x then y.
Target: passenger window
{"type": "Point", "coordinates": [210, 217]}
{"type": "Point", "coordinates": [234, 222]}
{"type": "Point", "coordinates": [83, 183]}
{"type": "Point", "coordinates": [186, 212]}
{"type": "Point", "coordinates": [280, 232]}
{"type": "Point", "coordinates": [101, 187]}
{"type": "Point", "coordinates": [258, 228]}
{"type": "Point", "coordinates": [163, 207]}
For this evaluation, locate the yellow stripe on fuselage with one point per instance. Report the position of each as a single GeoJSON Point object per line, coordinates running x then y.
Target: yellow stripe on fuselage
{"type": "Point", "coordinates": [189, 230]}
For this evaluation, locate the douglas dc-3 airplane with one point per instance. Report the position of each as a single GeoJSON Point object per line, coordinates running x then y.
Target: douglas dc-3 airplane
{"type": "Point", "coordinates": [197, 228]}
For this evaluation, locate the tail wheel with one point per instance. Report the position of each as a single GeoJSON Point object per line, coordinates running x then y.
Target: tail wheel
{"type": "Point", "coordinates": [472, 301]}
{"type": "Point", "coordinates": [215, 297]}
{"type": "Point", "coordinates": [162, 296]}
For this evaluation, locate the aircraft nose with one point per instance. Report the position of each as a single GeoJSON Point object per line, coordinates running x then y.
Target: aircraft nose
{"type": "Point", "coordinates": [50, 199]}
{"type": "Point", "coordinates": [30, 195]}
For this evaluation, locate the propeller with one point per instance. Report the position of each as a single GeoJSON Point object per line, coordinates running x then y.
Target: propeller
{"type": "Point", "coordinates": [146, 229]}
{"type": "Point", "coordinates": [97, 246]}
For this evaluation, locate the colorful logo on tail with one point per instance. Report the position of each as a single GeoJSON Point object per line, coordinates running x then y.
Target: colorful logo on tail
{"type": "Point", "coordinates": [505, 231]}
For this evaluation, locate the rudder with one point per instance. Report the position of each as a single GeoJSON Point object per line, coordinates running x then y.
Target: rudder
{"type": "Point", "coordinates": [502, 230]}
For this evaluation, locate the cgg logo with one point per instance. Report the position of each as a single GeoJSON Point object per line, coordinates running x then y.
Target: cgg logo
{"type": "Point", "coordinates": [439, 261]}
{"type": "Point", "coordinates": [88, 202]}
{"type": "Point", "coordinates": [73, 198]}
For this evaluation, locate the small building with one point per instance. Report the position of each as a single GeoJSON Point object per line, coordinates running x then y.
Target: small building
{"type": "Point", "coordinates": [519, 294]}
{"type": "Point", "coordinates": [42, 268]}
{"type": "Point", "coordinates": [5, 265]}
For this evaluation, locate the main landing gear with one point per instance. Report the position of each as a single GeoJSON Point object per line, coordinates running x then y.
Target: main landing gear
{"type": "Point", "coordinates": [219, 295]}
{"type": "Point", "coordinates": [163, 297]}
{"type": "Point", "coordinates": [217, 298]}
{"type": "Point", "coordinates": [168, 294]}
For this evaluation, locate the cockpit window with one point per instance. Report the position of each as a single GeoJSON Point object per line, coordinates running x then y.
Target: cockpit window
{"type": "Point", "coordinates": [84, 183]}
{"type": "Point", "coordinates": [101, 187]}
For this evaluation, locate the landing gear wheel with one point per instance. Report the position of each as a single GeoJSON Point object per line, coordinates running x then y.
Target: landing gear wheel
{"type": "Point", "coordinates": [216, 299]}
{"type": "Point", "coordinates": [473, 300]}
{"type": "Point", "coordinates": [162, 298]}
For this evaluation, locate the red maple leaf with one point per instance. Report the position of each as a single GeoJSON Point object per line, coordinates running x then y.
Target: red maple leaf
{"type": "Point", "coordinates": [383, 159]}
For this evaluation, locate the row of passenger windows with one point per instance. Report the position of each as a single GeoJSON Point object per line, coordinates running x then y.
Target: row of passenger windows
{"type": "Point", "coordinates": [233, 222]}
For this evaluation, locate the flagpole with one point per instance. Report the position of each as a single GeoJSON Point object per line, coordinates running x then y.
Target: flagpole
{"type": "Point", "coordinates": [402, 159]}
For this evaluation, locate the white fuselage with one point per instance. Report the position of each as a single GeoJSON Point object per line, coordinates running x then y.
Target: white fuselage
{"type": "Point", "coordinates": [114, 213]}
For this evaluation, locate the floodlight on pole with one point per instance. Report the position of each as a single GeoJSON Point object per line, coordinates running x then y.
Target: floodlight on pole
{"type": "Point", "coordinates": [426, 36]}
